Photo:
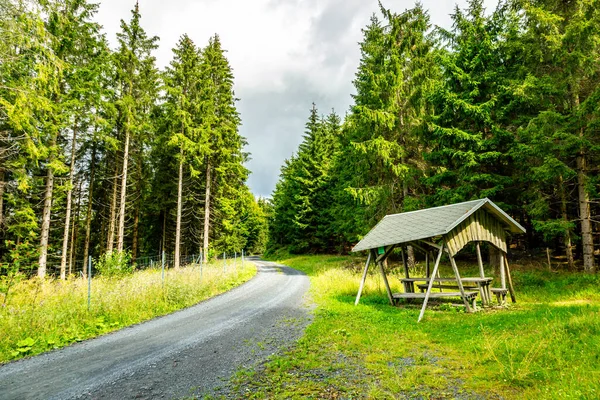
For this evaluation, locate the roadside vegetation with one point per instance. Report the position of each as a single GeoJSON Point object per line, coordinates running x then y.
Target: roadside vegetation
{"type": "Point", "coordinates": [42, 315]}
{"type": "Point", "coordinates": [545, 346]}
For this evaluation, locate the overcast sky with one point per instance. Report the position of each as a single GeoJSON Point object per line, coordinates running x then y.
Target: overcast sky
{"type": "Point", "coordinates": [285, 54]}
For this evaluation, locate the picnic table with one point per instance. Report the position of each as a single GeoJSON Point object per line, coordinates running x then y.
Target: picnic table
{"type": "Point", "coordinates": [482, 284]}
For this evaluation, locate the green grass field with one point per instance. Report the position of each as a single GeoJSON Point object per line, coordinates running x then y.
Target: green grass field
{"type": "Point", "coordinates": [547, 346]}
{"type": "Point", "coordinates": [41, 315]}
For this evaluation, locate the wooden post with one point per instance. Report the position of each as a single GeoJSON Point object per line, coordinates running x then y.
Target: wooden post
{"type": "Point", "coordinates": [364, 278]}
{"type": "Point", "coordinates": [480, 261]}
{"type": "Point", "coordinates": [435, 269]}
{"type": "Point", "coordinates": [460, 285]}
{"type": "Point", "coordinates": [502, 271]}
{"type": "Point", "coordinates": [385, 281]}
{"type": "Point", "coordinates": [405, 263]}
{"type": "Point", "coordinates": [163, 269]}
{"type": "Point", "coordinates": [89, 282]}
{"type": "Point", "coordinates": [427, 266]}
{"type": "Point", "coordinates": [549, 263]}
{"type": "Point", "coordinates": [511, 289]}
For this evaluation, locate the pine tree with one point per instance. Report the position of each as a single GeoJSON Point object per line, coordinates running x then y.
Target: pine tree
{"type": "Point", "coordinates": [136, 92]}
{"type": "Point", "coordinates": [224, 171]}
{"type": "Point", "coordinates": [300, 202]}
{"type": "Point", "coordinates": [563, 45]}
{"type": "Point", "coordinates": [470, 144]}
{"type": "Point", "coordinates": [183, 83]}
{"type": "Point", "coordinates": [28, 76]}
{"type": "Point", "coordinates": [78, 44]}
{"type": "Point", "coordinates": [31, 73]}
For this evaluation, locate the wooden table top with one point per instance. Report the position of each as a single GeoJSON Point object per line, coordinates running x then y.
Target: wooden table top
{"type": "Point", "coordinates": [465, 279]}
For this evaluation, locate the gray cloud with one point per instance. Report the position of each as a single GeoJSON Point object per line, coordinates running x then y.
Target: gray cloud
{"type": "Point", "coordinates": [285, 54]}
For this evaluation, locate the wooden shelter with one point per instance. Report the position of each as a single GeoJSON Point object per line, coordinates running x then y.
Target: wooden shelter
{"type": "Point", "coordinates": [445, 230]}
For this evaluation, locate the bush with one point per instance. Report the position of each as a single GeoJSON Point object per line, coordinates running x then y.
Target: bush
{"type": "Point", "coordinates": [114, 264]}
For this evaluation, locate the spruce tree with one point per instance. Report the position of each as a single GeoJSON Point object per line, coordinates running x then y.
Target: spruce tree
{"type": "Point", "coordinates": [29, 73]}
{"type": "Point", "coordinates": [225, 174]}
{"type": "Point", "coordinates": [137, 86]}
{"type": "Point", "coordinates": [470, 145]}
{"type": "Point", "coordinates": [183, 83]}
{"type": "Point", "coordinates": [563, 48]}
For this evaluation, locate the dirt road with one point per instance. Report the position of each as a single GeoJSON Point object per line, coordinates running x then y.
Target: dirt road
{"type": "Point", "coordinates": [189, 353]}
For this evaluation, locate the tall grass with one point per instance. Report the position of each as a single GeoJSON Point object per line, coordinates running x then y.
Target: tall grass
{"type": "Point", "coordinates": [546, 346]}
{"type": "Point", "coordinates": [41, 315]}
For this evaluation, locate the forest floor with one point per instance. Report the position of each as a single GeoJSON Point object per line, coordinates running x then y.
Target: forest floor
{"type": "Point", "coordinates": [546, 346]}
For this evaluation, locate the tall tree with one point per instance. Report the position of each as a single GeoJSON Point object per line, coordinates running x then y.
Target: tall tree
{"type": "Point", "coordinates": [29, 73]}
{"type": "Point", "coordinates": [79, 44]}
{"type": "Point", "coordinates": [470, 153]}
{"type": "Point", "coordinates": [224, 171]}
{"type": "Point", "coordinates": [183, 83]}
{"type": "Point", "coordinates": [392, 82]}
{"type": "Point", "coordinates": [564, 46]}
{"type": "Point", "coordinates": [136, 81]}
{"type": "Point", "coordinates": [300, 203]}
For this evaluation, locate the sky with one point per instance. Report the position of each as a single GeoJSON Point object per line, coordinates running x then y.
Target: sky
{"type": "Point", "coordinates": [285, 55]}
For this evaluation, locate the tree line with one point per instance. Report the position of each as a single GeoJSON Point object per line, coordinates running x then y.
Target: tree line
{"type": "Point", "coordinates": [102, 153]}
{"type": "Point", "coordinates": [504, 105]}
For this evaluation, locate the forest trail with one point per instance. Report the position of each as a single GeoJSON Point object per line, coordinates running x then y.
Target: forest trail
{"type": "Point", "coordinates": [191, 352]}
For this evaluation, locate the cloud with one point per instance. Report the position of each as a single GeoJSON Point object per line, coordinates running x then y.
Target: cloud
{"type": "Point", "coordinates": [285, 54]}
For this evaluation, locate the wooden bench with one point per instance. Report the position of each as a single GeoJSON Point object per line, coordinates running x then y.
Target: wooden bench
{"type": "Point", "coordinates": [471, 296]}
{"type": "Point", "coordinates": [482, 284]}
{"type": "Point", "coordinates": [423, 286]}
{"type": "Point", "coordinates": [500, 295]}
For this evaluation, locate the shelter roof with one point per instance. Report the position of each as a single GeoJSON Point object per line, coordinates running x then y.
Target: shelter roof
{"type": "Point", "coordinates": [430, 222]}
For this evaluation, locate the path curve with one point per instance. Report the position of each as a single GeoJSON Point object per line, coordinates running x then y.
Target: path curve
{"type": "Point", "coordinates": [188, 353]}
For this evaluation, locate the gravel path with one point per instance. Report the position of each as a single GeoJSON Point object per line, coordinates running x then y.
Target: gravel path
{"type": "Point", "coordinates": [192, 352]}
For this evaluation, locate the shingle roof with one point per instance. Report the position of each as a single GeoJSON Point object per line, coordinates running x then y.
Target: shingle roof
{"type": "Point", "coordinates": [430, 222]}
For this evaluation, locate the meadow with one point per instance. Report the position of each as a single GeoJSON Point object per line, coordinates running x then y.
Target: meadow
{"type": "Point", "coordinates": [42, 315]}
{"type": "Point", "coordinates": [546, 346]}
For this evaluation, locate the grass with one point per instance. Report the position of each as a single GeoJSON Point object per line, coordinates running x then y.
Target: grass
{"type": "Point", "coordinates": [41, 315]}
{"type": "Point", "coordinates": [547, 346]}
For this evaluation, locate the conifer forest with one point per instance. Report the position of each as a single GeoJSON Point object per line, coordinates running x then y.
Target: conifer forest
{"type": "Point", "coordinates": [102, 152]}
{"type": "Point", "coordinates": [505, 104]}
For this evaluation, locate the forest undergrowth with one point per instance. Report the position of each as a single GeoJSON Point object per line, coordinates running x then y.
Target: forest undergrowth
{"type": "Point", "coordinates": [42, 315]}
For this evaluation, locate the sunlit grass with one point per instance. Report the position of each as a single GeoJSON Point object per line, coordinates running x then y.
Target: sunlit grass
{"type": "Point", "coordinates": [48, 314]}
{"type": "Point", "coordinates": [546, 346]}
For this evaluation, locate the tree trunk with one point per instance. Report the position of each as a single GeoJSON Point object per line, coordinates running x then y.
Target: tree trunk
{"type": "Point", "coordinates": [207, 212]}
{"type": "Point", "coordinates": [64, 254]}
{"type": "Point", "coordinates": [2, 185]}
{"type": "Point", "coordinates": [563, 211]}
{"type": "Point", "coordinates": [179, 206]}
{"type": "Point", "coordinates": [88, 218]}
{"type": "Point", "coordinates": [585, 215]}
{"type": "Point", "coordinates": [121, 230]}
{"type": "Point", "coordinates": [73, 250]}
{"type": "Point", "coordinates": [587, 240]}
{"type": "Point", "coordinates": [136, 217]}
{"type": "Point", "coordinates": [110, 241]}
{"type": "Point", "coordinates": [45, 233]}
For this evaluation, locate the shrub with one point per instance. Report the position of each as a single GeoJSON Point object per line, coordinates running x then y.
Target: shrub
{"type": "Point", "coordinates": [114, 264]}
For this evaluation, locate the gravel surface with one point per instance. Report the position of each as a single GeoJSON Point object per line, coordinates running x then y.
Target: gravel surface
{"type": "Point", "coordinates": [192, 352]}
